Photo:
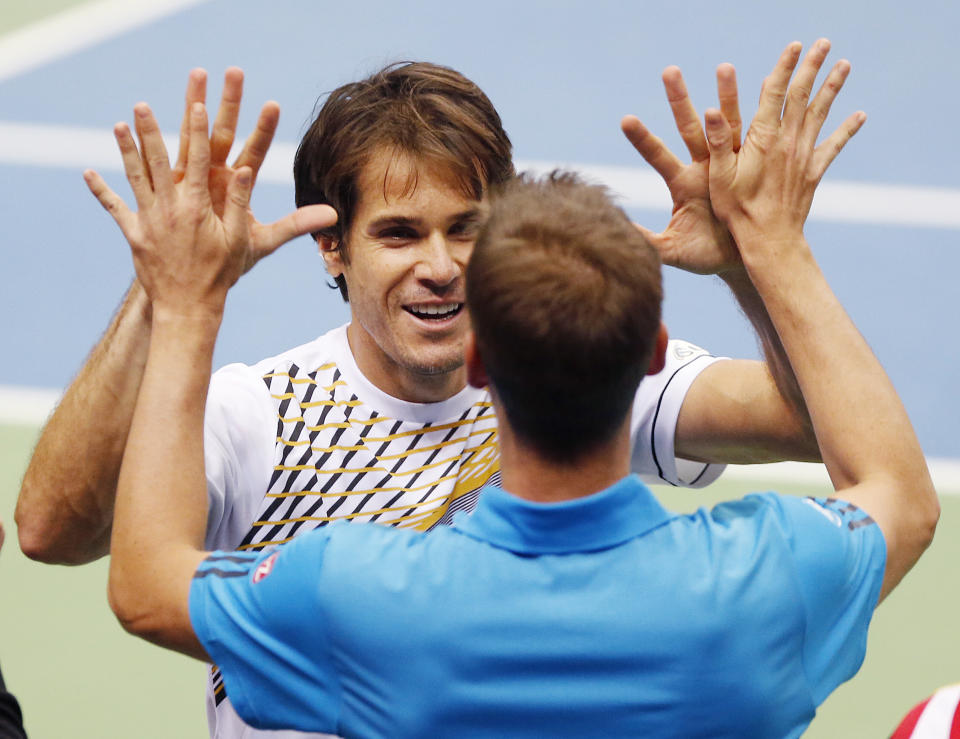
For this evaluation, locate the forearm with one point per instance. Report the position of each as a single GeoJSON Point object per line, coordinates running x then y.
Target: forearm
{"type": "Point", "coordinates": [866, 438]}
{"type": "Point", "coordinates": [65, 507]}
{"type": "Point", "coordinates": [763, 193]}
{"type": "Point", "coordinates": [747, 412]}
{"type": "Point", "coordinates": [161, 506]}
{"type": "Point", "coordinates": [847, 392]}
{"type": "Point", "coordinates": [787, 404]}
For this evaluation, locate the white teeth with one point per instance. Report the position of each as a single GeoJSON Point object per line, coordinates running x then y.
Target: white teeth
{"type": "Point", "coordinates": [435, 310]}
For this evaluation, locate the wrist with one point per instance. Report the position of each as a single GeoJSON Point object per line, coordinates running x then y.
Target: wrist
{"type": "Point", "coordinates": [751, 234]}
{"type": "Point", "coordinates": [139, 302]}
{"type": "Point", "coordinates": [195, 318]}
{"type": "Point", "coordinates": [735, 276]}
{"type": "Point", "coordinates": [779, 264]}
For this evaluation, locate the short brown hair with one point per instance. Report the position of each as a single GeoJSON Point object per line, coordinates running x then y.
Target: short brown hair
{"type": "Point", "coordinates": [564, 296]}
{"type": "Point", "coordinates": [431, 112]}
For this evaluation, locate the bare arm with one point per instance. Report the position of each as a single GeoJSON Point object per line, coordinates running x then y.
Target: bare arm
{"type": "Point", "coordinates": [741, 411]}
{"type": "Point", "coordinates": [65, 506]}
{"type": "Point", "coordinates": [187, 257]}
{"type": "Point", "coordinates": [764, 194]}
{"type": "Point", "coordinates": [747, 412]}
{"type": "Point", "coordinates": [65, 509]}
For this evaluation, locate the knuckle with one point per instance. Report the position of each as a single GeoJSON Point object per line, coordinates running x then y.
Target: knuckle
{"type": "Point", "coordinates": [256, 150]}
{"type": "Point", "coordinates": [221, 138]}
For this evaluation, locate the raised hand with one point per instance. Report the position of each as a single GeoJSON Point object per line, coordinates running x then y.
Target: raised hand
{"type": "Point", "coordinates": [694, 239]}
{"type": "Point", "coordinates": [186, 252]}
{"type": "Point", "coordinates": [766, 188]}
{"type": "Point", "coordinates": [224, 131]}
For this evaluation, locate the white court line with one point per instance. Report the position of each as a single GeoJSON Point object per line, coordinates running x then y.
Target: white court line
{"type": "Point", "coordinates": [842, 202]}
{"type": "Point", "coordinates": [27, 406]}
{"type": "Point", "coordinates": [31, 406]}
{"type": "Point", "coordinates": [72, 147]}
{"type": "Point", "coordinates": [945, 474]}
{"type": "Point", "coordinates": [78, 28]}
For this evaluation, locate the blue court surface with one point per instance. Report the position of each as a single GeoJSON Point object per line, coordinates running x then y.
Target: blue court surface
{"type": "Point", "coordinates": [885, 227]}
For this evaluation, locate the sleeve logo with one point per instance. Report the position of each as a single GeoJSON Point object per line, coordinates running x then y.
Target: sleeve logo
{"type": "Point", "coordinates": [826, 512]}
{"type": "Point", "coordinates": [264, 568]}
{"type": "Point", "coordinates": [684, 350]}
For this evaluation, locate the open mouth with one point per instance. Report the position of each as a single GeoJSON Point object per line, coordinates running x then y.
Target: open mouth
{"type": "Point", "coordinates": [431, 312]}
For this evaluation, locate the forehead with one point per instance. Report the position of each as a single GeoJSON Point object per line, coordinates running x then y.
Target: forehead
{"type": "Point", "coordinates": [396, 180]}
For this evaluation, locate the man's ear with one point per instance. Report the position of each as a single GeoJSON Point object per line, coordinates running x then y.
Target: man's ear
{"type": "Point", "coordinates": [659, 359]}
{"type": "Point", "coordinates": [476, 372]}
{"type": "Point", "coordinates": [332, 256]}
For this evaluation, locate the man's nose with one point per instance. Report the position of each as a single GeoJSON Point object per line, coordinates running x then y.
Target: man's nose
{"type": "Point", "coordinates": [437, 265]}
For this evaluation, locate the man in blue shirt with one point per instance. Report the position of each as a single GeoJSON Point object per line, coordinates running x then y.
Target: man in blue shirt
{"type": "Point", "coordinates": [570, 602]}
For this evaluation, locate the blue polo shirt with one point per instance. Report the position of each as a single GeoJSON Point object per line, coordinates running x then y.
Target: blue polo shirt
{"type": "Point", "coordinates": [606, 615]}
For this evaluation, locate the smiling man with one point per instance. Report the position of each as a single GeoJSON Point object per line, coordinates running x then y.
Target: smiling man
{"type": "Point", "coordinates": [406, 253]}
{"type": "Point", "coordinates": [374, 421]}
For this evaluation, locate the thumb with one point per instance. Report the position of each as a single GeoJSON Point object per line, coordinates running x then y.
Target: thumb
{"type": "Point", "coordinates": [723, 163]}
{"type": "Point", "coordinates": [723, 160]}
{"type": "Point", "coordinates": [666, 247]}
{"type": "Point", "coordinates": [237, 202]}
{"type": "Point", "coordinates": [652, 236]}
{"type": "Point", "coordinates": [303, 220]}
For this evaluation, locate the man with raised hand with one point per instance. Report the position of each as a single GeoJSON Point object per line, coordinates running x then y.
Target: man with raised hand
{"type": "Point", "coordinates": [570, 602]}
{"type": "Point", "coordinates": [735, 411]}
{"type": "Point", "coordinates": [374, 421]}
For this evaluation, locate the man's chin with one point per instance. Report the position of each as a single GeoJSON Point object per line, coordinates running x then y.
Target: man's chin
{"type": "Point", "coordinates": [432, 357]}
{"type": "Point", "coordinates": [438, 367]}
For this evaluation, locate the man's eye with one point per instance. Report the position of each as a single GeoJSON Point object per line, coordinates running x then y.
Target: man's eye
{"type": "Point", "coordinates": [398, 234]}
{"type": "Point", "coordinates": [465, 228]}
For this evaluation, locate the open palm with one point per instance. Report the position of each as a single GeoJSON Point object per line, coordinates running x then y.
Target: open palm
{"type": "Point", "coordinates": [263, 237]}
{"type": "Point", "coordinates": [694, 239]}
{"type": "Point", "coordinates": [201, 216]}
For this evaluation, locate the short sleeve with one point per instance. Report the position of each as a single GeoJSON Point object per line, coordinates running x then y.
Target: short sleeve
{"type": "Point", "coordinates": [654, 420]}
{"type": "Point", "coordinates": [265, 631]}
{"type": "Point", "coordinates": [840, 556]}
{"type": "Point", "coordinates": [239, 443]}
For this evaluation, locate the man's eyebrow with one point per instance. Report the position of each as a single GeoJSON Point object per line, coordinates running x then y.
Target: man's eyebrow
{"type": "Point", "coordinates": [472, 214]}
{"type": "Point", "coordinates": [469, 215]}
{"type": "Point", "coordinates": [385, 221]}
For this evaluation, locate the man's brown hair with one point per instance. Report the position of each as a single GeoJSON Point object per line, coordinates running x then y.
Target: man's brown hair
{"type": "Point", "coordinates": [564, 295]}
{"type": "Point", "coordinates": [431, 112]}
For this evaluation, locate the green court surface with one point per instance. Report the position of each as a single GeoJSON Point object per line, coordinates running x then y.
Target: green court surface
{"type": "Point", "coordinates": [65, 657]}
{"type": "Point", "coordinates": [18, 14]}
{"type": "Point", "coordinates": [78, 675]}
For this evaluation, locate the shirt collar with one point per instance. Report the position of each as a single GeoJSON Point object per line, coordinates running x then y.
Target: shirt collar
{"type": "Point", "coordinates": [605, 519]}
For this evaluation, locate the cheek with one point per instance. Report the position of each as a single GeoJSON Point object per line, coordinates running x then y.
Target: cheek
{"type": "Point", "coordinates": [376, 278]}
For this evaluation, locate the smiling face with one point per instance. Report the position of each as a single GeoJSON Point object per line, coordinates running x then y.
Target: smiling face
{"type": "Point", "coordinates": [406, 251]}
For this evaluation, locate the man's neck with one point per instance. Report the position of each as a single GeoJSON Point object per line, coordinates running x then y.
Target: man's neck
{"type": "Point", "coordinates": [410, 384]}
{"type": "Point", "coordinates": [528, 475]}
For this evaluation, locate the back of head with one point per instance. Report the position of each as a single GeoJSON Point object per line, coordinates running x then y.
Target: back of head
{"type": "Point", "coordinates": [430, 112]}
{"type": "Point", "coordinates": [564, 295]}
